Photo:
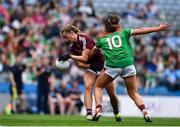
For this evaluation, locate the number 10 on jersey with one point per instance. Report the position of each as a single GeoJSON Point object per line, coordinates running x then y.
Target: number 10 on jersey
{"type": "Point", "coordinates": [111, 42]}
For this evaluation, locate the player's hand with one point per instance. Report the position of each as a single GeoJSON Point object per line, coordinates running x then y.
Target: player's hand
{"type": "Point", "coordinates": [64, 57]}
{"type": "Point", "coordinates": [164, 26]}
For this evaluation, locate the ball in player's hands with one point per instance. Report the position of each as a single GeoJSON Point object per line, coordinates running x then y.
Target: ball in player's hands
{"type": "Point", "coordinates": [62, 65]}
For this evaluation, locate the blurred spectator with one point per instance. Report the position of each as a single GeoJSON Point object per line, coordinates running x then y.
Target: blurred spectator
{"type": "Point", "coordinates": [151, 9]}
{"type": "Point", "coordinates": [173, 40]}
{"type": "Point", "coordinates": [4, 67]}
{"type": "Point", "coordinates": [16, 87]}
{"type": "Point", "coordinates": [75, 95]}
{"type": "Point", "coordinates": [43, 75]}
{"type": "Point", "coordinates": [38, 18]}
{"type": "Point", "coordinates": [150, 76]}
{"type": "Point", "coordinates": [28, 76]}
{"type": "Point", "coordinates": [4, 15]}
{"type": "Point", "coordinates": [52, 97]}
{"type": "Point", "coordinates": [171, 78]}
{"type": "Point", "coordinates": [130, 10]}
{"type": "Point", "coordinates": [88, 9]}
{"type": "Point", "coordinates": [64, 100]}
{"type": "Point", "coordinates": [140, 12]}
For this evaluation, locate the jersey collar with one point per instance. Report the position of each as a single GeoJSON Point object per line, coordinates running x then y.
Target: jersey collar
{"type": "Point", "coordinates": [106, 33]}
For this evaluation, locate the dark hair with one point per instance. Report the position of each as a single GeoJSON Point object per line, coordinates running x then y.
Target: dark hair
{"type": "Point", "coordinates": [70, 28]}
{"type": "Point", "coordinates": [111, 22]}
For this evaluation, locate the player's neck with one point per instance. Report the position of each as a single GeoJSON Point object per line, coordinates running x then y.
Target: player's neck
{"type": "Point", "coordinates": [118, 29]}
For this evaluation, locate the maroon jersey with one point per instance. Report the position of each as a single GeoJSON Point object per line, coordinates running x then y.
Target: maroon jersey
{"type": "Point", "coordinates": [85, 42]}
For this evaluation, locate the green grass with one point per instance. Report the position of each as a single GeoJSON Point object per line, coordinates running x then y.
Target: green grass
{"type": "Point", "coordinates": [57, 120]}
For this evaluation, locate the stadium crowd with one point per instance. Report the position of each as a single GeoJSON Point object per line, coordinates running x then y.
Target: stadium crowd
{"type": "Point", "coordinates": [30, 32]}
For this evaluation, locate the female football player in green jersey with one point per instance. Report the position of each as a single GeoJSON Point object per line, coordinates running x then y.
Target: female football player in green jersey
{"type": "Point", "coordinates": [119, 61]}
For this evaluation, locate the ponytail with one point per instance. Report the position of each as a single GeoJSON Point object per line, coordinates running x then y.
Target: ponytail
{"type": "Point", "coordinates": [111, 22]}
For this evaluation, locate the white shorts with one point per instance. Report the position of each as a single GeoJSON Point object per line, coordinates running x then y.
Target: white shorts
{"type": "Point", "coordinates": [97, 73]}
{"type": "Point", "coordinates": [123, 72]}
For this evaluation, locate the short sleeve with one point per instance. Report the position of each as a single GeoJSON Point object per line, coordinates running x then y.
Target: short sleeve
{"type": "Point", "coordinates": [127, 32]}
{"type": "Point", "coordinates": [98, 44]}
{"type": "Point", "coordinates": [90, 44]}
{"type": "Point", "coordinates": [87, 42]}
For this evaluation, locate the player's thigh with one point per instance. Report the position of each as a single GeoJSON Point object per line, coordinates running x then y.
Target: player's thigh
{"type": "Point", "coordinates": [131, 83]}
{"type": "Point", "coordinates": [110, 89]}
{"type": "Point", "coordinates": [103, 79]}
{"type": "Point", "coordinates": [89, 79]}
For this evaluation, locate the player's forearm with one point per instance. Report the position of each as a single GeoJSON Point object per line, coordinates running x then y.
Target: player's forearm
{"type": "Point", "coordinates": [79, 58]}
{"type": "Point", "coordinates": [145, 30]}
{"type": "Point", "coordinates": [161, 27]}
{"type": "Point", "coordinates": [83, 65]}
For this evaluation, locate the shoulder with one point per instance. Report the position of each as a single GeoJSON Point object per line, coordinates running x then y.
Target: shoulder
{"type": "Point", "coordinates": [100, 36]}
{"type": "Point", "coordinates": [103, 35]}
{"type": "Point", "coordinates": [87, 37]}
{"type": "Point", "coordinates": [127, 30]}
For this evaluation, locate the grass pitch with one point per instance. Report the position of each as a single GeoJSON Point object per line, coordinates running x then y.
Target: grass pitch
{"type": "Point", "coordinates": [57, 120]}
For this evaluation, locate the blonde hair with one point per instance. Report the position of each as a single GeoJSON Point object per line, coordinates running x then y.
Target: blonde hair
{"type": "Point", "coordinates": [70, 28]}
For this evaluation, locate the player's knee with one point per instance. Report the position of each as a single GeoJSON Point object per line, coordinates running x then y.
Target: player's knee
{"type": "Point", "coordinates": [98, 86]}
{"type": "Point", "coordinates": [88, 87]}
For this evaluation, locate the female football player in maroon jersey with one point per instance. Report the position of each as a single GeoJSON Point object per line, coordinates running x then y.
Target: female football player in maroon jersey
{"type": "Point", "coordinates": [80, 49]}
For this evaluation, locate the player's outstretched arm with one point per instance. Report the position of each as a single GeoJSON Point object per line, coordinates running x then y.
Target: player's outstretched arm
{"type": "Point", "coordinates": [161, 27]}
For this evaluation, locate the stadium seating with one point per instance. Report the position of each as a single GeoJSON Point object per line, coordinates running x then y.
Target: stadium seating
{"type": "Point", "coordinates": [170, 8]}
